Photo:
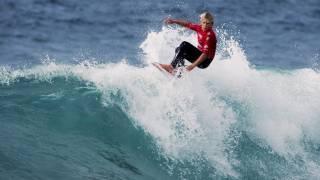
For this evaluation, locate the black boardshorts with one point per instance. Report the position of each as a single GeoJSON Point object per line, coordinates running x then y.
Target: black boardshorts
{"type": "Point", "coordinates": [189, 52]}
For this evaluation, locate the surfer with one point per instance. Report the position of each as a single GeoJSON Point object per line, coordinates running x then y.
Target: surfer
{"type": "Point", "coordinates": [201, 56]}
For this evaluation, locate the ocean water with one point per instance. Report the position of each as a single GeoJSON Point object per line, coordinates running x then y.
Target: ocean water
{"type": "Point", "coordinates": [80, 100]}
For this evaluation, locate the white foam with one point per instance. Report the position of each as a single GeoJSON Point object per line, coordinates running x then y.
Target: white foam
{"type": "Point", "coordinates": [282, 106]}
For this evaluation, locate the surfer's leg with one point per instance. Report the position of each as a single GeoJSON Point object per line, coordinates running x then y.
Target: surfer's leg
{"type": "Point", "coordinates": [189, 52]}
{"type": "Point", "coordinates": [205, 63]}
{"type": "Point", "coordinates": [185, 51]}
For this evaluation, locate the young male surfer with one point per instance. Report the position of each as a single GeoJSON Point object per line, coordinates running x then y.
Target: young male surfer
{"type": "Point", "coordinates": [200, 57]}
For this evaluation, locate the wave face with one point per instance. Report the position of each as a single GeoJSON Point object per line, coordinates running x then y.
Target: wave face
{"type": "Point", "coordinates": [119, 121]}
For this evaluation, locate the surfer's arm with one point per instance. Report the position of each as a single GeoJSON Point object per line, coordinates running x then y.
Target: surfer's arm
{"type": "Point", "coordinates": [177, 21]}
{"type": "Point", "coordinates": [200, 59]}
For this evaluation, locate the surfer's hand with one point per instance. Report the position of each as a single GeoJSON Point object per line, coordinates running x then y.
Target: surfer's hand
{"type": "Point", "coordinates": [190, 67]}
{"type": "Point", "coordinates": [169, 21]}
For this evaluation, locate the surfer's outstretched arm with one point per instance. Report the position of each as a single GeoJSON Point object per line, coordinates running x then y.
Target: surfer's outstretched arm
{"type": "Point", "coordinates": [177, 21]}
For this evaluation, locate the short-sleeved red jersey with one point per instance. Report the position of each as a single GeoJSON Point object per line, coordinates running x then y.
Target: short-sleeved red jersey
{"type": "Point", "coordinates": [207, 40]}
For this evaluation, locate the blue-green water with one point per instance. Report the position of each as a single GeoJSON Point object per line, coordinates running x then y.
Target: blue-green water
{"type": "Point", "coordinates": [80, 100]}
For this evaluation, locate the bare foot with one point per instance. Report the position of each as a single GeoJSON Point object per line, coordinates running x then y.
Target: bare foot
{"type": "Point", "coordinates": [167, 67]}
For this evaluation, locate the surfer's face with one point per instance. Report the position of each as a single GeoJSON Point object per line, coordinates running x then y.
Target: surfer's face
{"type": "Point", "coordinates": [205, 24]}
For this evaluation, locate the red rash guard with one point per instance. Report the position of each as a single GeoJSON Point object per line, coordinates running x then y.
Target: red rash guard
{"type": "Point", "coordinates": [207, 40]}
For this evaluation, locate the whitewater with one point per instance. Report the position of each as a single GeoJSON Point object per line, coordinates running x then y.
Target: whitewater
{"type": "Point", "coordinates": [121, 121]}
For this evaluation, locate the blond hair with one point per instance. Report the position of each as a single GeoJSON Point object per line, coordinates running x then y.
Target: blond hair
{"type": "Point", "coordinates": [208, 16]}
